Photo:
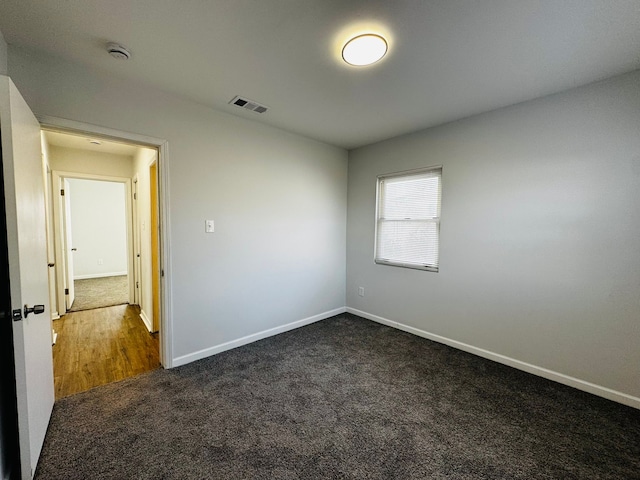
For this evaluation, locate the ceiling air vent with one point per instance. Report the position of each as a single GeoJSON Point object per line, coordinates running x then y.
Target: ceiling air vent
{"type": "Point", "coordinates": [248, 104]}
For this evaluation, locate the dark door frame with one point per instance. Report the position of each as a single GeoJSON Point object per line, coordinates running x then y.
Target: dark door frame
{"type": "Point", "coordinates": [8, 399]}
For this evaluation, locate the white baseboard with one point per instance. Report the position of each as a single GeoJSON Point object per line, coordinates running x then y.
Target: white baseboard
{"type": "Point", "coordinates": [146, 320]}
{"type": "Point", "coordinates": [207, 352]}
{"type": "Point", "coordinates": [55, 316]}
{"type": "Point", "coordinates": [511, 362]}
{"type": "Point", "coordinates": [99, 275]}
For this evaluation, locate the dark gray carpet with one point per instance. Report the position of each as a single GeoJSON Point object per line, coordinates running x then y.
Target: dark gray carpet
{"type": "Point", "coordinates": [100, 292]}
{"type": "Point", "coordinates": [344, 398]}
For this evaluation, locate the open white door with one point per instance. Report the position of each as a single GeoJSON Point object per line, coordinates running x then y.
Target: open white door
{"type": "Point", "coordinates": [27, 246]}
{"type": "Point", "coordinates": [137, 265]}
{"type": "Point", "coordinates": [69, 290]}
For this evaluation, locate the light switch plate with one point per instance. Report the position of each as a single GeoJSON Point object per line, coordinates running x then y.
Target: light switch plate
{"type": "Point", "coordinates": [208, 226]}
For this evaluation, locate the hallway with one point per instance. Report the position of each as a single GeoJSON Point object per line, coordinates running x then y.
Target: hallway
{"type": "Point", "coordinates": [100, 346]}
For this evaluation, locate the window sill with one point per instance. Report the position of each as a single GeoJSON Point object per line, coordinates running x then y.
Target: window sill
{"type": "Point", "coordinates": [414, 266]}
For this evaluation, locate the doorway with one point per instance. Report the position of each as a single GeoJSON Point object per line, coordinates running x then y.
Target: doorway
{"type": "Point", "coordinates": [97, 224]}
{"type": "Point", "coordinates": [93, 239]}
{"type": "Point", "coordinates": [96, 236]}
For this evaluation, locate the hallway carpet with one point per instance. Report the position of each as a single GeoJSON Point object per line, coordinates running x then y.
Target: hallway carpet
{"type": "Point", "coordinates": [100, 292]}
{"type": "Point", "coordinates": [343, 398]}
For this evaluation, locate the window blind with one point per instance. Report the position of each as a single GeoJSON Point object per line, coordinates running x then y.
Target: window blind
{"type": "Point", "coordinates": [408, 223]}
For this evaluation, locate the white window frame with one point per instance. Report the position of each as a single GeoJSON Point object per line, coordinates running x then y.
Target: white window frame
{"type": "Point", "coordinates": [378, 219]}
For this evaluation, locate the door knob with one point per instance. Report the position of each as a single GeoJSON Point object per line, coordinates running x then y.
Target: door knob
{"type": "Point", "coordinates": [36, 309]}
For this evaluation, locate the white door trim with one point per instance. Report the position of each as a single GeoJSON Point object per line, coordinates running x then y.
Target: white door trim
{"type": "Point", "coordinates": [58, 175]}
{"type": "Point", "coordinates": [71, 126]}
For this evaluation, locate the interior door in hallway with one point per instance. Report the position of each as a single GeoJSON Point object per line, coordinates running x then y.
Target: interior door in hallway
{"type": "Point", "coordinates": [27, 254]}
{"type": "Point", "coordinates": [70, 293]}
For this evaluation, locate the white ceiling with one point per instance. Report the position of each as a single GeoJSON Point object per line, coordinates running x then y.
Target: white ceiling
{"type": "Point", "coordinates": [448, 59]}
{"type": "Point", "coordinates": [81, 142]}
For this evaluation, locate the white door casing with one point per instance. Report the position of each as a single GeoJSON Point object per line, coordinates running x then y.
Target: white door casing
{"type": "Point", "coordinates": [76, 127]}
{"type": "Point", "coordinates": [63, 235]}
{"type": "Point", "coordinates": [51, 257]}
{"type": "Point", "coordinates": [27, 246]}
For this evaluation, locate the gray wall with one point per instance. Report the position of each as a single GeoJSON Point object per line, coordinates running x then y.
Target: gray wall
{"type": "Point", "coordinates": [3, 56]}
{"type": "Point", "coordinates": [540, 234]}
{"type": "Point", "coordinates": [278, 200]}
{"type": "Point", "coordinates": [540, 221]}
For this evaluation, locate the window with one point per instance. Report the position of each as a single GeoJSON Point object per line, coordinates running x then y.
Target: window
{"type": "Point", "coordinates": [408, 219]}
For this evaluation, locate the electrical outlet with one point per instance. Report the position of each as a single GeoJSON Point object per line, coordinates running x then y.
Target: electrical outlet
{"type": "Point", "coordinates": [361, 291]}
{"type": "Point", "coordinates": [100, 261]}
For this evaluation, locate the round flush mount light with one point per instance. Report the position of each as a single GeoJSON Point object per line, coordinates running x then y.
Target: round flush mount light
{"type": "Point", "coordinates": [364, 49]}
{"type": "Point", "coordinates": [118, 51]}
{"type": "Point", "coordinates": [94, 141]}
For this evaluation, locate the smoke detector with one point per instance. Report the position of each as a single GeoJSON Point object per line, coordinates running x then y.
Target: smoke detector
{"type": "Point", "coordinates": [118, 51]}
{"type": "Point", "coordinates": [248, 104]}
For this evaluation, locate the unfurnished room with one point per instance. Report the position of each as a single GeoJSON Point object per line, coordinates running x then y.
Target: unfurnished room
{"type": "Point", "coordinates": [320, 239]}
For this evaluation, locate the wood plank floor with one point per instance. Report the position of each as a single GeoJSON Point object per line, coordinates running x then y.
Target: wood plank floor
{"type": "Point", "coordinates": [100, 346]}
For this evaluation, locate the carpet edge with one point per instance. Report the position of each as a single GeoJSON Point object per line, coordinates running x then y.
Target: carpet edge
{"type": "Point", "coordinates": [585, 386]}
{"type": "Point", "coordinates": [207, 352]}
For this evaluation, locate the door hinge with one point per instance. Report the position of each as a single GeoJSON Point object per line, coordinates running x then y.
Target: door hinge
{"type": "Point", "coordinates": [62, 192]}
{"type": "Point", "coordinates": [162, 273]}
{"type": "Point", "coordinates": [135, 196]}
{"type": "Point", "coordinates": [66, 291]}
{"type": "Point", "coordinates": [137, 284]}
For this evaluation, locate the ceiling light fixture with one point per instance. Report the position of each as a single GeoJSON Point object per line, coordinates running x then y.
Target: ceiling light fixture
{"type": "Point", "coordinates": [94, 141]}
{"type": "Point", "coordinates": [364, 49]}
{"type": "Point", "coordinates": [118, 51]}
